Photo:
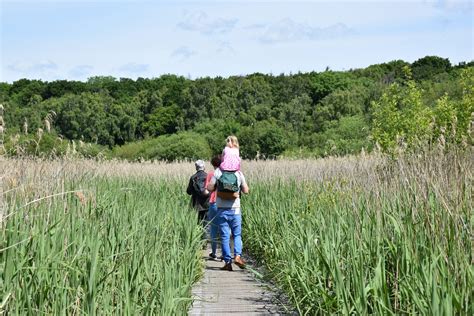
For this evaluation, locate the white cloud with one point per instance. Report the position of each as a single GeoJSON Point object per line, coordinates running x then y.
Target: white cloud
{"type": "Point", "coordinates": [183, 53]}
{"type": "Point", "coordinates": [26, 67]}
{"type": "Point", "coordinates": [224, 47]}
{"type": "Point", "coordinates": [255, 26]}
{"type": "Point", "coordinates": [225, 38]}
{"type": "Point", "coordinates": [287, 30]}
{"type": "Point", "coordinates": [200, 22]}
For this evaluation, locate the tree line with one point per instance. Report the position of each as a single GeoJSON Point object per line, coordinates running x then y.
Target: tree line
{"type": "Point", "coordinates": [304, 114]}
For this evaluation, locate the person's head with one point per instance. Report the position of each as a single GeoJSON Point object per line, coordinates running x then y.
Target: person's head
{"type": "Point", "coordinates": [216, 161]}
{"type": "Point", "coordinates": [199, 165]}
{"type": "Point", "coordinates": [232, 141]}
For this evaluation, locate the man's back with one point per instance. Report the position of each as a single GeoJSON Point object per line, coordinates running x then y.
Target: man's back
{"type": "Point", "coordinates": [196, 188]}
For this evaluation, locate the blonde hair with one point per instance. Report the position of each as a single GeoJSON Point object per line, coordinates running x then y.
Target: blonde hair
{"type": "Point", "coordinates": [232, 141]}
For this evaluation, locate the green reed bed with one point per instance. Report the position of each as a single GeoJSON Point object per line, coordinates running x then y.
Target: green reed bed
{"type": "Point", "coordinates": [398, 243]}
{"type": "Point", "coordinates": [119, 246]}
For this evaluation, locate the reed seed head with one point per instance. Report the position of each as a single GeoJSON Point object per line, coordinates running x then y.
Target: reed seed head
{"type": "Point", "coordinates": [25, 126]}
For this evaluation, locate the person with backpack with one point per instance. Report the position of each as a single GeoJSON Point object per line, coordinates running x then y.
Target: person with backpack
{"type": "Point", "coordinates": [197, 190]}
{"type": "Point", "coordinates": [229, 185]}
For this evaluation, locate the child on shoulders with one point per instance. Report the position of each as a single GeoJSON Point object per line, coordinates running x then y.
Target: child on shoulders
{"type": "Point", "coordinates": [231, 155]}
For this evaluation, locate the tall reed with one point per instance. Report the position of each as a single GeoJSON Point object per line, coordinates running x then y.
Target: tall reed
{"type": "Point", "coordinates": [393, 238]}
{"type": "Point", "coordinates": [365, 234]}
{"type": "Point", "coordinates": [99, 246]}
{"type": "Point", "coordinates": [2, 130]}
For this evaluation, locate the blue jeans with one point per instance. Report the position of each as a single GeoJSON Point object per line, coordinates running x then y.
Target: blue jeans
{"type": "Point", "coordinates": [213, 226]}
{"type": "Point", "coordinates": [230, 223]}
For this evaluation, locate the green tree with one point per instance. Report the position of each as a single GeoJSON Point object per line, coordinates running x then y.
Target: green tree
{"type": "Point", "coordinates": [465, 108]}
{"type": "Point", "coordinates": [349, 135]}
{"type": "Point", "coordinates": [216, 131]}
{"type": "Point", "coordinates": [183, 145]}
{"type": "Point", "coordinates": [385, 73]}
{"type": "Point", "coordinates": [296, 114]}
{"type": "Point", "coordinates": [453, 118]}
{"type": "Point", "coordinates": [326, 82]}
{"type": "Point", "coordinates": [84, 116]}
{"type": "Point", "coordinates": [123, 122]}
{"type": "Point", "coordinates": [269, 113]}
{"type": "Point", "coordinates": [266, 139]}
{"type": "Point", "coordinates": [253, 91]}
{"type": "Point", "coordinates": [400, 115]}
{"type": "Point", "coordinates": [429, 66]}
{"type": "Point", "coordinates": [163, 120]}
{"type": "Point", "coordinates": [338, 104]}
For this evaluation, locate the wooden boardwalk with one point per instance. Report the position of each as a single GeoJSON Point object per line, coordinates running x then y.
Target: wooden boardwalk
{"type": "Point", "coordinates": [234, 292]}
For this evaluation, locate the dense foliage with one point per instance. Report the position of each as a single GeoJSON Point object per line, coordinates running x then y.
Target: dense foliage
{"type": "Point", "coordinates": [315, 114]}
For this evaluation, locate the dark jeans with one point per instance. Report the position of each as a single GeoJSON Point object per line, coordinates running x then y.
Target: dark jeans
{"type": "Point", "coordinates": [202, 215]}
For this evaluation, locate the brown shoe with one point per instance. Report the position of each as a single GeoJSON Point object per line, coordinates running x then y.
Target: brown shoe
{"type": "Point", "coordinates": [239, 262]}
{"type": "Point", "coordinates": [227, 267]}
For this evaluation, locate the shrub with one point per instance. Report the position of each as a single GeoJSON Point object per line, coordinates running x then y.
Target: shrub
{"type": "Point", "coordinates": [184, 145]}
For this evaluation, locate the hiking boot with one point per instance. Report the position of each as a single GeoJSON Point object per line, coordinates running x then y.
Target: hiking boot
{"type": "Point", "coordinates": [227, 266]}
{"type": "Point", "coordinates": [239, 262]}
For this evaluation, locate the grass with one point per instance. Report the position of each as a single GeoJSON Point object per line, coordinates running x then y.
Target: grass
{"type": "Point", "coordinates": [115, 247]}
{"type": "Point", "coordinates": [395, 238]}
{"type": "Point", "coordinates": [352, 235]}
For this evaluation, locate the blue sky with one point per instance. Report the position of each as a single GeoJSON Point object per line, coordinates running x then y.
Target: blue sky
{"type": "Point", "coordinates": [74, 40]}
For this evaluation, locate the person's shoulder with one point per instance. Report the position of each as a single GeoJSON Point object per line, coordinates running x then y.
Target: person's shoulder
{"type": "Point", "coordinates": [217, 173]}
{"type": "Point", "coordinates": [240, 174]}
{"type": "Point", "coordinates": [210, 174]}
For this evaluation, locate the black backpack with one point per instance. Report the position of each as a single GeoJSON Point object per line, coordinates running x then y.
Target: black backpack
{"type": "Point", "coordinates": [199, 184]}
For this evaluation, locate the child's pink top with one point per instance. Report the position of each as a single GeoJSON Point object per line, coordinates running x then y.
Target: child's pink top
{"type": "Point", "coordinates": [230, 159]}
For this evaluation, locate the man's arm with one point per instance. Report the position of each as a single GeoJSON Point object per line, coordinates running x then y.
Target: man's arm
{"type": "Point", "coordinates": [244, 188]}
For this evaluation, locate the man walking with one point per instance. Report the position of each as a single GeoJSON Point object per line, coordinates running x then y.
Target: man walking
{"type": "Point", "coordinates": [229, 185]}
{"type": "Point", "coordinates": [197, 190]}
